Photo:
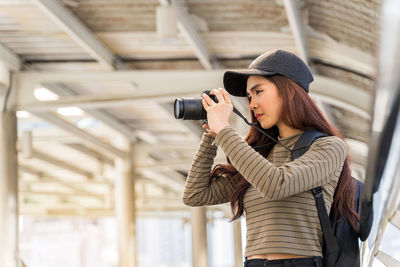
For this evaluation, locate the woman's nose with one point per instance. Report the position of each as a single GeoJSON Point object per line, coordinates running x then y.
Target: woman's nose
{"type": "Point", "coordinates": [252, 105]}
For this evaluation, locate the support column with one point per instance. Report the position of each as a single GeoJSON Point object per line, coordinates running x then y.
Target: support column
{"type": "Point", "coordinates": [237, 242]}
{"type": "Point", "coordinates": [8, 180]}
{"type": "Point", "coordinates": [125, 208]}
{"type": "Point", "coordinates": [199, 237]}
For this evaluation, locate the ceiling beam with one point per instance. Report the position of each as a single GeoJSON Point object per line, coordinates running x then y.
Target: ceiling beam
{"type": "Point", "coordinates": [90, 152]}
{"type": "Point", "coordinates": [112, 122]}
{"type": "Point", "coordinates": [61, 194]}
{"type": "Point", "coordinates": [143, 78]}
{"type": "Point", "coordinates": [159, 165]}
{"type": "Point", "coordinates": [88, 40]}
{"type": "Point", "coordinates": [162, 83]}
{"type": "Point", "coordinates": [296, 26]}
{"type": "Point", "coordinates": [320, 47]}
{"type": "Point", "coordinates": [71, 128]}
{"type": "Point", "coordinates": [46, 180]}
{"type": "Point", "coordinates": [11, 59]}
{"type": "Point", "coordinates": [322, 101]}
{"type": "Point", "coordinates": [347, 96]}
{"type": "Point", "coordinates": [48, 177]}
{"type": "Point", "coordinates": [60, 163]}
{"type": "Point", "coordinates": [78, 29]}
{"type": "Point", "coordinates": [326, 111]}
{"type": "Point", "coordinates": [93, 102]}
{"type": "Point", "coordinates": [193, 37]}
{"type": "Point", "coordinates": [144, 181]}
{"type": "Point", "coordinates": [64, 18]}
{"type": "Point", "coordinates": [99, 114]}
{"type": "Point", "coordinates": [184, 82]}
{"type": "Point", "coordinates": [161, 179]}
{"type": "Point", "coordinates": [79, 212]}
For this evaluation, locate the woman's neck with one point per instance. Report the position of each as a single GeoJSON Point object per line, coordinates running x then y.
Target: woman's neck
{"type": "Point", "coordinates": [286, 131]}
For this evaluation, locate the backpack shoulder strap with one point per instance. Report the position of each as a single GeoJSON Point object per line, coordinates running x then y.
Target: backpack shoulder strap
{"type": "Point", "coordinates": [301, 146]}
{"type": "Point", "coordinates": [326, 227]}
{"type": "Point", "coordinates": [305, 141]}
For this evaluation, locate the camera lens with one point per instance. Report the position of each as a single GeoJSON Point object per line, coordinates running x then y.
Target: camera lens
{"type": "Point", "coordinates": [178, 108]}
{"type": "Point", "coordinates": [191, 108]}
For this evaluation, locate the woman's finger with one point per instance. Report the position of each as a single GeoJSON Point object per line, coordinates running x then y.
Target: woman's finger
{"type": "Point", "coordinates": [208, 101]}
{"type": "Point", "coordinates": [204, 101]}
{"type": "Point", "coordinates": [226, 96]}
{"type": "Point", "coordinates": [206, 105]}
{"type": "Point", "coordinates": [219, 96]}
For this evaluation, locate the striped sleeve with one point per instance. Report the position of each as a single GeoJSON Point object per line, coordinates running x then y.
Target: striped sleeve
{"type": "Point", "coordinates": [318, 166]}
{"type": "Point", "coordinates": [200, 189]}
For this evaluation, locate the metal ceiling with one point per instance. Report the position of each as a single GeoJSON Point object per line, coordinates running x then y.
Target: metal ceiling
{"type": "Point", "coordinates": [105, 57]}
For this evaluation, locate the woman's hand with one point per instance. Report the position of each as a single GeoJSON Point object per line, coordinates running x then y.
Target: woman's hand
{"type": "Point", "coordinates": [205, 126]}
{"type": "Point", "coordinates": [217, 113]}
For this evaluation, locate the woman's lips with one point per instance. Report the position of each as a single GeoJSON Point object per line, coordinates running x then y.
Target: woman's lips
{"type": "Point", "coordinates": [258, 116]}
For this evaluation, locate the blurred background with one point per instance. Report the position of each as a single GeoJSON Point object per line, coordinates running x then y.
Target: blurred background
{"type": "Point", "coordinates": [93, 162]}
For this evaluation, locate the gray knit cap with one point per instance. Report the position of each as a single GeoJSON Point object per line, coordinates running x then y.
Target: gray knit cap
{"type": "Point", "coordinates": [269, 63]}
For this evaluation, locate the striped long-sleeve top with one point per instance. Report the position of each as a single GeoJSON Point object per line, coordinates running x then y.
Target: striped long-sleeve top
{"type": "Point", "coordinates": [280, 210]}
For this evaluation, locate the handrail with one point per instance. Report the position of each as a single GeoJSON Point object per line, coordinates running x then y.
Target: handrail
{"type": "Point", "coordinates": [381, 185]}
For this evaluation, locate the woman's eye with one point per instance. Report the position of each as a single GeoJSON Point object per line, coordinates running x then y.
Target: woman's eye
{"type": "Point", "coordinates": [258, 91]}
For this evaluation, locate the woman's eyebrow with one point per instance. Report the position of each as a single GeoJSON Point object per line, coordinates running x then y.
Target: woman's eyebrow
{"type": "Point", "coordinates": [253, 88]}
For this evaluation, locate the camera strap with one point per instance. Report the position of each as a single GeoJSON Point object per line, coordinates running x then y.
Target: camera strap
{"type": "Point", "coordinates": [257, 148]}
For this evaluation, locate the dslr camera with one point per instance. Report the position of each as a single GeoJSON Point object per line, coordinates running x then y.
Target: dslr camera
{"type": "Point", "coordinates": [191, 108]}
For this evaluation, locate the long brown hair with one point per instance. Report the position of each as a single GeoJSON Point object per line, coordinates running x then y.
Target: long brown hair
{"type": "Point", "coordinates": [298, 112]}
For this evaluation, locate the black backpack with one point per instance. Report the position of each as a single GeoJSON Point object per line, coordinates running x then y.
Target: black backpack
{"type": "Point", "coordinates": [340, 241]}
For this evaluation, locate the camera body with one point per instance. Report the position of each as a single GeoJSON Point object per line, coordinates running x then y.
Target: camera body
{"type": "Point", "coordinates": [191, 108]}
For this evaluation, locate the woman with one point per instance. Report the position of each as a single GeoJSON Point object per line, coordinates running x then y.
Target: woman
{"type": "Point", "coordinates": [270, 189]}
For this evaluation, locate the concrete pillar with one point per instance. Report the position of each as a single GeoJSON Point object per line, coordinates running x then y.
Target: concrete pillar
{"type": "Point", "coordinates": [125, 208]}
{"type": "Point", "coordinates": [8, 178]}
{"type": "Point", "coordinates": [237, 242]}
{"type": "Point", "coordinates": [8, 190]}
{"type": "Point", "coordinates": [199, 237]}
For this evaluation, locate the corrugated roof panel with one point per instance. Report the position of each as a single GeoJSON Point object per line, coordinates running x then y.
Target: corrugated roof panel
{"type": "Point", "coordinates": [30, 33]}
{"type": "Point", "coordinates": [123, 15]}
{"type": "Point", "coordinates": [117, 15]}
{"type": "Point", "coordinates": [352, 22]}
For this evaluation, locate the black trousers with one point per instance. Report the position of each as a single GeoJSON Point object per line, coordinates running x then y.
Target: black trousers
{"type": "Point", "coordinates": [295, 262]}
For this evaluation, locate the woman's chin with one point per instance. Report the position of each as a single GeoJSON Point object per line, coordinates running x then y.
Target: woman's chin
{"type": "Point", "coordinates": [266, 125]}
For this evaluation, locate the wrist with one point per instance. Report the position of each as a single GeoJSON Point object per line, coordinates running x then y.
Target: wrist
{"type": "Point", "coordinates": [221, 127]}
